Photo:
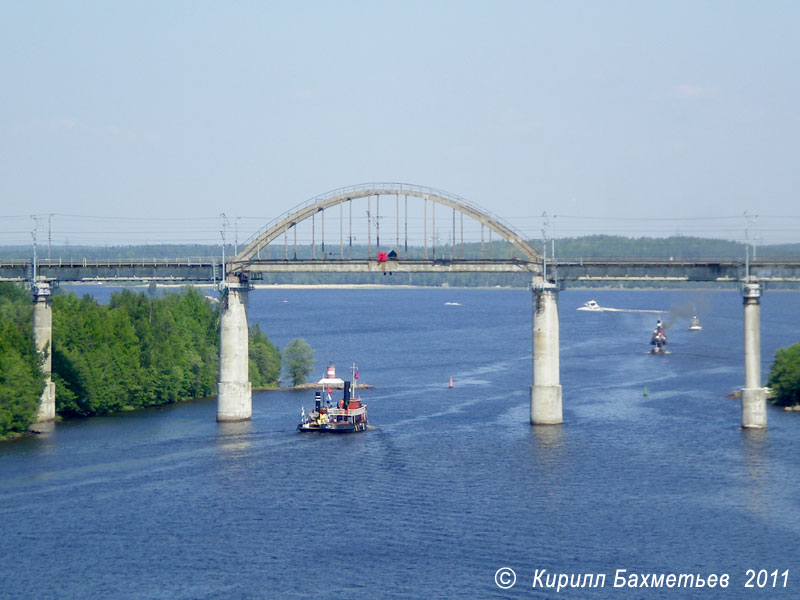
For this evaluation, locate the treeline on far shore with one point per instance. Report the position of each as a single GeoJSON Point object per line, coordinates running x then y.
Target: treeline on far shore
{"type": "Point", "coordinates": [568, 248]}
{"type": "Point", "coordinates": [134, 352]}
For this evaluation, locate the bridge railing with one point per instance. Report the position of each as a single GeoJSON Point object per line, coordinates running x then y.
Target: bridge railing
{"type": "Point", "coordinates": [658, 260]}
{"type": "Point", "coordinates": [210, 260]}
{"type": "Point", "coordinates": [110, 262]}
{"type": "Point", "coordinates": [181, 260]}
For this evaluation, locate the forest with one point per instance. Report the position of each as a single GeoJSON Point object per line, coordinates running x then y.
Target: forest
{"type": "Point", "coordinates": [589, 246]}
{"type": "Point", "coordinates": [21, 378]}
{"type": "Point", "coordinates": [134, 352]}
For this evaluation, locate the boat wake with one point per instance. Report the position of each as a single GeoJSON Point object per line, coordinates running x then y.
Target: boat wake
{"type": "Point", "coordinates": [593, 306]}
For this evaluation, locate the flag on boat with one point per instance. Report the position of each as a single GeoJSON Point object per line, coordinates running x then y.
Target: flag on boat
{"type": "Point", "coordinates": [356, 374]}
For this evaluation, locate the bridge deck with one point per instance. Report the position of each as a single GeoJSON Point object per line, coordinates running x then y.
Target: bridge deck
{"type": "Point", "coordinates": [208, 269]}
{"type": "Point", "coordinates": [717, 270]}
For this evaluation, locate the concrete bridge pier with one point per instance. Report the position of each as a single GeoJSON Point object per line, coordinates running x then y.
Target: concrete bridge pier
{"type": "Point", "coordinates": [754, 396]}
{"type": "Point", "coordinates": [43, 335]}
{"type": "Point", "coordinates": [234, 396]}
{"type": "Point", "coordinates": [546, 388]}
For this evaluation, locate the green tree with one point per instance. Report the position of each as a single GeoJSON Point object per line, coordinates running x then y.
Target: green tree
{"type": "Point", "coordinates": [298, 360]}
{"type": "Point", "coordinates": [137, 351]}
{"type": "Point", "coordinates": [95, 355]}
{"type": "Point", "coordinates": [784, 376]}
{"type": "Point", "coordinates": [21, 377]}
{"type": "Point", "coordinates": [265, 359]}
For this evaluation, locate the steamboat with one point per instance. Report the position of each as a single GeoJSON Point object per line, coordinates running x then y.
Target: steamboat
{"type": "Point", "coordinates": [349, 415]}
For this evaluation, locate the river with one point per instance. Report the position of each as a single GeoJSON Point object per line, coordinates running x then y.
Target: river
{"type": "Point", "coordinates": [449, 485]}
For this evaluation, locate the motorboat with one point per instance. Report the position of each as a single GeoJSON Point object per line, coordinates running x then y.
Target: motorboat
{"type": "Point", "coordinates": [591, 305]}
{"type": "Point", "coordinates": [694, 324]}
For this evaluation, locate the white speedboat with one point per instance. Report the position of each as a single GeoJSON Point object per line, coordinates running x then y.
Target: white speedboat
{"type": "Point", "coordinates": [591, 305]}
{"type": "Point", "coordinates": [694, 324]}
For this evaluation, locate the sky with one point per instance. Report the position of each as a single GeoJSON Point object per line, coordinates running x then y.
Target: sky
{"type": "Point", "coordinates": [639, 118]}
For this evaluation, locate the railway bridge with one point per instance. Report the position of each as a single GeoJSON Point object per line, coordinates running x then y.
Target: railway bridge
{"type": "Point", "coordinates": [406, 248]}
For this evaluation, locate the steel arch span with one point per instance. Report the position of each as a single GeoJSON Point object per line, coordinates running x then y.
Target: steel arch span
{"type": "Point", "coordinates": [307, 210]}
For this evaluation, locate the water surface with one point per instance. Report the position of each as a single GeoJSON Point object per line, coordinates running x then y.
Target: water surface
{"type": "Point", "coordinates": [449, 485]}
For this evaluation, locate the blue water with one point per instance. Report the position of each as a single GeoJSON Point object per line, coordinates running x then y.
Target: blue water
{"type": "Point", "coordinates": [449, 485]}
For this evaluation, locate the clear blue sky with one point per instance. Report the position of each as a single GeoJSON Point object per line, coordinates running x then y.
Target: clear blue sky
{"type": "Point", "coordinates": [592, 109]}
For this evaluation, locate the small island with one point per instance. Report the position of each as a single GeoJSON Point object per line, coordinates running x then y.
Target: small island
{"type": "Point", "coordinates": [137, 351]}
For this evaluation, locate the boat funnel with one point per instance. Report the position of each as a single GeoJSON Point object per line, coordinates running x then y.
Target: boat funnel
{"type": "Point", "coordinates": [346, 392]}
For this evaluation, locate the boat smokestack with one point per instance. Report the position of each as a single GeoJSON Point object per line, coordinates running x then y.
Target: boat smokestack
{"type": "Point", "coordinates": [346, 392]}
{"type": "Point", "coordinates": [318, 401]}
